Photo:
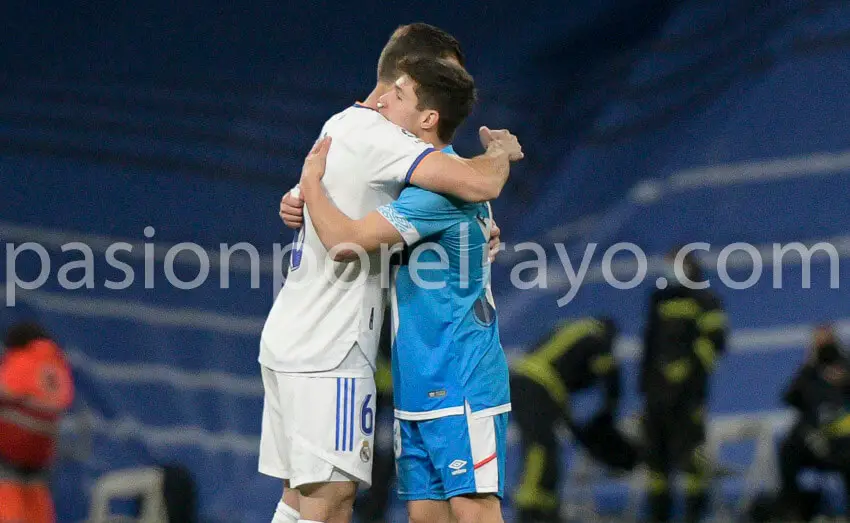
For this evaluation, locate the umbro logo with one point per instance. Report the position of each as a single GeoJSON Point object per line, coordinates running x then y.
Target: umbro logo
{"type": "Point", "coordinates": [457, 464]}
{"type": "Point", "coordinates": [457, 467]}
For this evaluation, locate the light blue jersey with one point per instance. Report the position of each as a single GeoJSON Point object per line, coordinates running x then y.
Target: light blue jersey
{"type": "Point", "coordinates": [446, 347]}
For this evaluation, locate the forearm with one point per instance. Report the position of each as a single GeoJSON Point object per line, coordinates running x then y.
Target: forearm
{"type": "Point", "coordinates": [478, 179]}
{"type": "Point", "coordinates": [491, 171]}
{"type": "Point", "coordinates": [332, 226]}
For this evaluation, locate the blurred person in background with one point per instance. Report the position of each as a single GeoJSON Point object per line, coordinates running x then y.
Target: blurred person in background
{"type": "Point", "coordinates": [36, 388]}
{"type": "Point", "coordinates": [820, 439]}
{"type": "Point", "coordinates": [684, 336]}
{"type": "Point", "coordinates": [577, 356]}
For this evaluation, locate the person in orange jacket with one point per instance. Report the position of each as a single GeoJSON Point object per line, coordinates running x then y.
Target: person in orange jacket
{"type": "Point", "coordinates": [36, 388]}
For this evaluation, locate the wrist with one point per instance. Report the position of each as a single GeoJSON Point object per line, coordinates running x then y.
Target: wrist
{"type": "Point", "coordinates": [308, 185]}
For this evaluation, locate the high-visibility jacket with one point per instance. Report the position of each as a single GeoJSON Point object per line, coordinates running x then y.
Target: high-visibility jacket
{"type": "Point", "coordinates": [36, 388]}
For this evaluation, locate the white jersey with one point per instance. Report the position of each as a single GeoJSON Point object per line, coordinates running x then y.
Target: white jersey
{"type": "Point", "coordinates": [325, 307]}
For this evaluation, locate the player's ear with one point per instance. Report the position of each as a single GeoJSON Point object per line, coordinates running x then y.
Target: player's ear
{"type": "Point", "coordinates": [430, 119]}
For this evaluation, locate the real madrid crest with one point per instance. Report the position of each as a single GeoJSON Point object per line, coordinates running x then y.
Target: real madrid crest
{"type": "Point", "coordinates": [365, 452]}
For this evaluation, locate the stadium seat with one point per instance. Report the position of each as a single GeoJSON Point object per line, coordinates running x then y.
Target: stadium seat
{"type": "Point", "coordinates": [145, 484]}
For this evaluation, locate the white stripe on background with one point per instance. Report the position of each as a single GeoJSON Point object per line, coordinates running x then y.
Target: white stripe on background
{"type": "Point", "coordinates": [816, 164]}
{"type": "Point", "coordinates": [128, 428]}
{"type": "Point", "coordinates": [165, 375]}
{"type": "Point", "coordinates": [137, 312]}
{"type": "Point", "coordinates": [54, 239]}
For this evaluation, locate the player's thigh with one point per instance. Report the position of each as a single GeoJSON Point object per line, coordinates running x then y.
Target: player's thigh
{"type": "Point", "coordinates": [329, 502]}
{"type": "Point", "coordinates": [273, 442]}
{"type": "Point", "coordinates": [429, 511]}
{"type": "Point", "coordinates": [468, 452]}
{"type": "Point", "coordinates": [331, 428]}
{"type": "Point", "coordinates": [417, 479]}
{"type": "Point", "coordinates": [476, 508]}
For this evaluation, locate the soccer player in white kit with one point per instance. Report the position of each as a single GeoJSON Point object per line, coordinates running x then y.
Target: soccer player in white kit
{"type": "Point", "coordinates": [319, 342]}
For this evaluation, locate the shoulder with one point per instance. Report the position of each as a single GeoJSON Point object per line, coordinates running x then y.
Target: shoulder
{"type": "Point", "coordinates": [347, 117]}
{"type": "Point", "coordinates": [352, 122]}
{"type": "Point", "coordinates": [417, 197]}
{"type": "Point", "coordinates": [369, 126]}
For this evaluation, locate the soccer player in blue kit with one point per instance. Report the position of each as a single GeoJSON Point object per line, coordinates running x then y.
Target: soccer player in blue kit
{"type": "Point", "coordinates": [450, 374]}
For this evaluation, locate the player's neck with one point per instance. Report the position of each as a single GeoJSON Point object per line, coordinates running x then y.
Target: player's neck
{"type": "Point", "coordinates": [434, 140]}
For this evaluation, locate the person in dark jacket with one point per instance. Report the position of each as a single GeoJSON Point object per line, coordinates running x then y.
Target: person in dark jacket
{"type": "Point", "coordinates": [820, 439]}
{"type": "Point", "coordinates": [576, 356]}
{"type": "Point", "coordinates": [685, 334]}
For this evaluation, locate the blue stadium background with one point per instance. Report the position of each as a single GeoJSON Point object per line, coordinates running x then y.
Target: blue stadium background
{"type": "Point", "coordinates": [653, 122]}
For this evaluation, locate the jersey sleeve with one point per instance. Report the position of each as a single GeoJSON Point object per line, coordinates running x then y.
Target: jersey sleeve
{"type": "Point", "coordinates": [393, 154]}
{"type": "Point", "coordinates": [419, 213]}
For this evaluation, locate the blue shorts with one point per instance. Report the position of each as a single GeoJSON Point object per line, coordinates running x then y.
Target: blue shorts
{"type": "Point", "coordinates": [441, 458]}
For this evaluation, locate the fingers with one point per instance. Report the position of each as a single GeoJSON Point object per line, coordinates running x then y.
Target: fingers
{"type": "Point", "coordinates": [325, 145]}
{"type": "Point", "coordinates": [321, 147]}
{"type": "Point", "coordinates": [314, 164]}
{"type": "Point", "coordinates": [290, 200]}
{"type": "Point", "coordinates": [503, 139]}
{"type": "Point", "coordinates": [316, 146]}
{"type": "Point", "coordinates": [292, 216]}
{"type": "Point", "coordinates": [485, 135]}
{"type": "Point", "coordinates": [320, 143]}
{"type": "Point", "coordinates": [495, 245]}
{"type": "Point", "coordinates": [292, 221]}
{"type": "Point", "coordinates": [495, 231]}
{"type": "Point", "coordinates": [292, 210]}
{"type": "Point", "coordinates": [512, 145]}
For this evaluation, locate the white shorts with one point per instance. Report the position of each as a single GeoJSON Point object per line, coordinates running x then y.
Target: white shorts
{"type": "Point", "coordinates": [317, 429]}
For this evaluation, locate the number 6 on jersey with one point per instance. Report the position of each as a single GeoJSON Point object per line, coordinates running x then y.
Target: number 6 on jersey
{"type": "Point", "coordinates": [367, 417]}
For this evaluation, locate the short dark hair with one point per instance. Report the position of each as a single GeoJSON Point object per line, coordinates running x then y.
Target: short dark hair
{"type": "Point", "coordinates": [22, 334]}
{"type": "Point", "coordinates": [444, 87]}
{"type": "Point", "coordinates": [417, 39]}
